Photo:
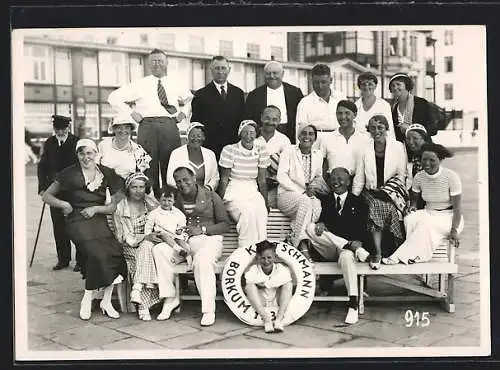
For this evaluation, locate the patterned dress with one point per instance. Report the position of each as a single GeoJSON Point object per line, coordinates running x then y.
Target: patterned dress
{"type": "Point", "coordinates": [149, 294]}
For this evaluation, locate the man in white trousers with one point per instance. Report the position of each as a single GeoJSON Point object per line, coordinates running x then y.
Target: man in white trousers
{"type": "Point", "coordinates": [207, 222]}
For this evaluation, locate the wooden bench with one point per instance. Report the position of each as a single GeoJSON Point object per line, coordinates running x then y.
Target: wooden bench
{"type": "Point", "coordinates": [442, 264]}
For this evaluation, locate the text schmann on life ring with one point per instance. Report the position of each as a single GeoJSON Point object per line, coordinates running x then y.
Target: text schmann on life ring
{"type": "Point", "coordinates": [230, 282]}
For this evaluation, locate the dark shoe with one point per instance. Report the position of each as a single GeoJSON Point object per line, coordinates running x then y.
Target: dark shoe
{"type": "Point", "coordinates": [60, 266]}
{"type": "Point", "coordinates": [77, 268]}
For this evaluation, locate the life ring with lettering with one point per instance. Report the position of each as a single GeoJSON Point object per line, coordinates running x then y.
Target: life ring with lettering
{"type": "Point", "coordinates": [302, 274]}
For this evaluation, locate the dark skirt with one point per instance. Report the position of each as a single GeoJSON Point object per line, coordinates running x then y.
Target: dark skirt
{"type": "Point", "coordinates": [383, 215]}
{"type": "Point", "coordinates": [103, 255]}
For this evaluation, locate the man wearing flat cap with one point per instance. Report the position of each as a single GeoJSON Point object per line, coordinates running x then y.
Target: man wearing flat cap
{"type": "Point", "coordinates": [59, 152]}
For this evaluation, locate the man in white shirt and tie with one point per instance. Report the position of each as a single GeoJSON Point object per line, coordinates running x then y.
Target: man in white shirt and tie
{"type": "Point", "coordinates": [320, 106]}
{"type": "Point", "coordinates": [158, 107]}
{"type": "Point", "coordinates": [278, 93]}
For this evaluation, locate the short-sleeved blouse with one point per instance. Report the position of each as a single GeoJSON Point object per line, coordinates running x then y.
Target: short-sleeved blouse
{"type": "Point", "coordinates": [437, 189]}
{"type": "Point", "coordinates": [74, 190]}
{"type": "Point", "coordinates": [244, 163]}
{"type": "Point", "coordinates": [123, 161]}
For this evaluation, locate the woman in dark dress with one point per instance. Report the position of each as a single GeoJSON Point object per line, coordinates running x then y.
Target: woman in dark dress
{"type": "Point", "coordinates": [81, 195]}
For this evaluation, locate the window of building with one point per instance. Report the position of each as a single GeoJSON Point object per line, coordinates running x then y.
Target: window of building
{"type": "Point", "coordinates": [63, 67]}
{"type": "Point", "coordinates": [448, 91]}
{"type": "Point", "coordinates": [89, 63]}
{"type": "Point", "coordinates": [196, 44]}
{"type": "Point", "coordinates": [144, 39]}
{"type": "Point", "coordinates": [448, 37]}
{"type": "Point", "coordinates": [366, 42]}
{"type": "Point", "coordinates": [39, 57]}
{"type": "Point", "coordinates": [111, 40]}
{"type": "Point", "coordinates": [107, 115]}
{"type": "Point", "coordinates": [113, 68]}
{"type": "Point", "coordinates": [226, 48]}
{"type": "Point", "coordinates": [413, 48]}
{"type": "Point", "coordinates": [303, 82]}
{"type": "Point", "coordinates": [448, 64]}
{"type": "Point", "coordinates": [136, 67]}
{"type": "Point", "coordinates": [179, 71]}
{"type": "Point", "coordinates": [320, 50]}
{"type": "Point", "coordinates": [250, 77]}
{"type": "Point", "coordinates": [276, 53]}
{"type": "Point", "coordinates": [290, 76]}
{"type": "Point", "coordinates": [198, 74]}
{"type": "Point", "coordinates": [253, 50]}
{"type": "Point", "coordinates": [393, 46]}
{"type": "Point", "coordinates": [37, 118]}
{"type": "Point", "coordinates": [166, 41]}
{"type": "Point", "coordinates": [92, 121]}
{"type": "Point", "coordinates": [310, 49]}
{"type": "Point", "coordinates": [350, 42]}
{"type": "Point", "coordinates": [404, 41]}
{"type": "Point", "coordinates": [237, 75]}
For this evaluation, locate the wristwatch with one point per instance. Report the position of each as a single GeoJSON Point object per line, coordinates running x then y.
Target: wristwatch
{"type": "Point", "coordinates": [204, 230]}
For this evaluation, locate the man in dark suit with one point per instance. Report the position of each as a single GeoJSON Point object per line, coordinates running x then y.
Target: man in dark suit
{"type": "Point", "coordinates": [278, 93]}
{"type": "Point", "coordinates": [219, 106]}
{"type": "Point", "coordinates": [59, 152]}
{"type": "Point", "coordinates": [339, 234]}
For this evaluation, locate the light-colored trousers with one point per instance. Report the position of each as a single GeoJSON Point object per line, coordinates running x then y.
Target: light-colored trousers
{"type": "Point", "coordinates": [247, 207]}
{"type": "Point", "coordinates": [302, 210]}
{"type": "Point", "coordinates": [206, 250]}
{"type": "Point", "coordinates": [330, 246]}
{"type": "Point", "coordinates": [425, 230]}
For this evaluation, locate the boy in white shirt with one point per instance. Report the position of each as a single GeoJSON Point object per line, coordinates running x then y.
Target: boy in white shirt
{"type": "Point", "coordinates": [269, 287]}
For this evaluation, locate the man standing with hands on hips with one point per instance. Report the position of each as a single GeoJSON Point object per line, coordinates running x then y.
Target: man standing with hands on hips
{"type": "Point", "coordinates": [59, 152]}
{"type": "Point", "coordinates": [159, 107]}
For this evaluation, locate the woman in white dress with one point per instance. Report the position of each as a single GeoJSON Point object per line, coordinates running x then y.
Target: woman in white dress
{"type": "Point", "coordinates": [369, 105]}
{"type": "Point", "coordinates": [300, 178]}
{"type": "Point", "coordinates": [441, 218]}
{"type": "Point", "coordinates": [243, 184]}
{"type": "Point", "coordinates": [202, 160]}
{"type": "Point", "coordinates": [120, 152]}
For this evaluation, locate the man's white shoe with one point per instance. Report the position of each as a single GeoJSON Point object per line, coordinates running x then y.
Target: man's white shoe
{"type": "Point", "coordinates": [168, 307]}
{"type": "Point", "coordinates": [362, 254]}
{"type": "Point", "coordinates": [208, 319]}
{"type": "Point", "coordinates": [352, 316]}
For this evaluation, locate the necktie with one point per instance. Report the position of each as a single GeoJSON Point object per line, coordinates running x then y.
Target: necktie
{"type": "Point", "coordinates": [162, 95]}
{"type": "Point", "coordinates": [60, 143]}
{"type": "Point", "coordinates": [223, 92]}
{"type": "Point", "coordinates": [338, 205]}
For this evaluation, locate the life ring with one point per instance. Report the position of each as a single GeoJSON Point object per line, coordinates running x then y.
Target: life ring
{"type": "Point", "coordinates": [302, 274]}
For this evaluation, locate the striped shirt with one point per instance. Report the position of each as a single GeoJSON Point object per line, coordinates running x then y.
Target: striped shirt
{"type": "Point", "coordinates": [438, 188]}
{"type": "Point", "coordinates": [244, 163]}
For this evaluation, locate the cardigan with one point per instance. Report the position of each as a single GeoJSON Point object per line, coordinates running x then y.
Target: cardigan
{"type": "Point", "coordinates": [366, 172]}
{"type": "Point", "coordinates": [180, 157]}
{"type": "Point", "coordinates": [290, 171]}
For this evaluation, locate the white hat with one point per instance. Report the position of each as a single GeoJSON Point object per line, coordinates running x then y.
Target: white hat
{"type": "Point", "coordinates": [123, 119]}
{"type": "Point", "coordinates": [86, 143]}
{"type": "Point", "coordinates": [192, 125]}
{"type": "Point", "coordinates": [245, 123]}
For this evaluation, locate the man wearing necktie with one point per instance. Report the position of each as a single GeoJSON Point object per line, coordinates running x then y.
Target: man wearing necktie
{"type": "Point", "coordinates": [219, 106]}
{"type": "Point", "coordinates": [159, 105]}
{"type": "Point", "coordinates": [59, 152]}
{"type": "Point", "coordinates": [340, 233]}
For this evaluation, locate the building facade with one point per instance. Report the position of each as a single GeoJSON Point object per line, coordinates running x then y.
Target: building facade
{"type": "Point", "coordinates": [460, 80]}
{"type": "Point", "coordinates": [72, 72]}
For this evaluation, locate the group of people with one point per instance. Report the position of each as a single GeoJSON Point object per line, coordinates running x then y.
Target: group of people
{"type": "Point", "coordinates": [360, 182]}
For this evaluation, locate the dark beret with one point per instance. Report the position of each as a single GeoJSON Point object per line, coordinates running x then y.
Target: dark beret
{"type": "Point", "coordinates": [348, 104]}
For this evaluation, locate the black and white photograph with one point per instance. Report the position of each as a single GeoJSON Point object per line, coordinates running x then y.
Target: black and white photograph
{"type": "Point", "coordinates": [250, 192]}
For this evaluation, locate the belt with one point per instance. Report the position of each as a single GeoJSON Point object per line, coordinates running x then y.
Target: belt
{"type": "Point", "coordinates": [444, 209]}
{"type": "Point", "coordinates": [325, 130]}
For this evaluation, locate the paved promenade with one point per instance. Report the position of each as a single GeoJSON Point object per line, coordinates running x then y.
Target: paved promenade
{"type": "Point", "coordinates": [54, 297]}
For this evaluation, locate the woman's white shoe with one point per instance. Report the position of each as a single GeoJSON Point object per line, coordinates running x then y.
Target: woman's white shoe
{"type": "Point", "coordinates": [86, 308]}
{"type": "Point", "coordinates": [108, 309]}
{"type": "Point", "coordinates": [144, 314]}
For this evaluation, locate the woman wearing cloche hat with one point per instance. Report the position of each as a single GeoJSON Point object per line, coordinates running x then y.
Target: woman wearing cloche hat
{"type": "Point", "coordinates": [120, 152]}
{"type": "Point", "coordinates": [408, 108]}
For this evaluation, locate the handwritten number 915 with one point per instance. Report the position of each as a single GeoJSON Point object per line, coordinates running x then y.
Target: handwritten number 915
{"type": "Point", "coordinates": [417, 318]}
